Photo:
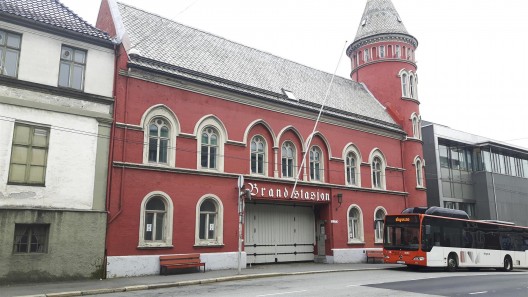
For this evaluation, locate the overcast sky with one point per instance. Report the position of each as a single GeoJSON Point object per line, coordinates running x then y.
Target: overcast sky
{"type": "Point", "coordinates": [471, 54]}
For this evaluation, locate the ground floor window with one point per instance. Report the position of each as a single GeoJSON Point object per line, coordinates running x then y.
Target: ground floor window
{"type": "Point", "coordinates": [31, 238]}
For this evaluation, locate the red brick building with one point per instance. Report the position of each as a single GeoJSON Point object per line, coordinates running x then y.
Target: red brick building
{"type": "Point", "coordinates": [195, 111]}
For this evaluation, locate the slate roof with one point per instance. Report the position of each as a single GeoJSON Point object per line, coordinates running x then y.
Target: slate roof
{"type": "Point", "coordinates": [379, 17]}
{"type": "Point", "coordinates": [51, 13]}
{"type": "Point", "coordinates": [170, 47]}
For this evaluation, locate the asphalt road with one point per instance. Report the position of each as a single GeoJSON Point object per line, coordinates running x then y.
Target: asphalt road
{"type": "Point", "coordinates": [390, 282]}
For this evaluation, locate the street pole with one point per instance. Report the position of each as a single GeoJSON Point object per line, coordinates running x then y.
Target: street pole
{"type": "Point", "coordinates": [240, 213]}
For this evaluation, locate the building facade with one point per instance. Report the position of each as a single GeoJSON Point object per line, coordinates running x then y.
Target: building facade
{"type": "Point", "coordinates": [486, 178]}
{"type": "Point", "coordinates": [195, 111]}
{"type": "Point", "coordinates": [56, 85]}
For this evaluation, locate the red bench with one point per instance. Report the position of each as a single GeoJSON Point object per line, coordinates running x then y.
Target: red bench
{"type": "Point", "coordinates": [374, 254]}
{"type": "Point", "coordinates": [179, 261]}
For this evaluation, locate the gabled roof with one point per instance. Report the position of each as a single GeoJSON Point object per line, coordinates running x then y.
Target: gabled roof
{"type": "Point", "coordinates": [51, 13]}
{"type": "Point", "coordinates": [380, 17]}
{"type": "Point", "coordinates": [163, 45]}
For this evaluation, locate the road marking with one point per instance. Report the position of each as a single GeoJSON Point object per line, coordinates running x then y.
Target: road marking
{"type": "Point", "coordinates": [284, 293]}
{"type": "Point", "coordinates": [481, 292]}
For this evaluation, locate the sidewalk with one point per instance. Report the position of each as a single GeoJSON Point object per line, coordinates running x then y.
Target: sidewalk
{"type": "Point", "coordinates": [92, 287]}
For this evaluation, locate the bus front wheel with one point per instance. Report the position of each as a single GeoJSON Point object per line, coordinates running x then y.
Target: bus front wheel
{"type": "Point", "coordinates": [508, 266]}
{"type": "Point", "coordinates": [452, 263]}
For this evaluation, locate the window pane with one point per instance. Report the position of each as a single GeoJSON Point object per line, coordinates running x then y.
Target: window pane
{"type": "Point", "coordinates": [203, 221]}
{"type": "Point", "coordinates": [22, 134]}
{"type": "Point", "coordinates": [17, 173]}
{"type": "Point", "coordinates": [40, 137]}
{"type": "Point", "coordinates": [64, 75]}
{"type": "Point", "coordinates": [208, 205]}
{"type": "Point", "coordinates": [149, 218]}
{"type": "Point", "coordinates": [11, 63]}
{"type": "Point", "coordinates": [13, 40]}
{"type": "Point", "coordinates": [205, 138]}
{"type": "Point", "coordinates": [153, 130]}
{"type": "Point", "coordinates": [212, 227]}
{"type": "Point", "coordinates": [212, 158]}
{"type": "Point", "coordinates": [38, 157]}
{"type": "Point", "coordinates": [36, 174]}
{"type": "Point", "coordinates": [253, 163]}
{"type": "Point", "coordinates": [214, 139]}
{"type": "Point", "coordinates": [159, 226]}
{"type": "Point", "coordinates": [66, 53]}
{"type": "Point", "coordinates": [204, 156]}
{"type": "Point", "coordinates": [79, 56]}
{"type": "Point", "coordinates": [164, 132]}
{"type": "Point", "coordinates": [152, 149]}
{"type": "Point", "coordinates": [78, 76]}
{"type": "Point", "coordinates": [2, 37]}
{"type": "Point", "coordinates": [164, 144]}
{"type": "Point", "coordinates": [19, 154]}
{"type": "Point", "coordinates": [155, 204]}
{"type": "Point", "coordinates": [260, 163]}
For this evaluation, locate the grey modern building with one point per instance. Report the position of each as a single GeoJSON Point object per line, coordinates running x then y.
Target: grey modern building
{"type": "Point", "coordinates": [486, 178]}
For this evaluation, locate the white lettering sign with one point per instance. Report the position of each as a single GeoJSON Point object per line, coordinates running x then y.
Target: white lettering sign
{"type": "Point", "coordinates": [299, 194]}
{"type": "Point", "coordinates": [149, 227]}
{"type": "Point", "coordinates": [334, 221]}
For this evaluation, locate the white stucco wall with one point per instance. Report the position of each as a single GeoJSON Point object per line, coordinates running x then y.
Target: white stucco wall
{"type": "Point", "coordinates": [125, 266]}
{"type": "Point", "coordinates": [71, 160]}
{"type": "Point", "coordinates": [40, 60]}
{"type": "Point", "coordinates": [350, 255]}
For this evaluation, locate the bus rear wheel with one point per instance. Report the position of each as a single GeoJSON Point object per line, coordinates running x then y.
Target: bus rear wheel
{"type": "Point", "coordinates": [508, 265]}
{"type": "Point", "coordinates": [452, 263]}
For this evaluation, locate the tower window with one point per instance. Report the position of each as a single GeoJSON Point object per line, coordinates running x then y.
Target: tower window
{"type": "Point", "coordinates": [382, 51]}
{"type": "Point", "coordinates": [366, 55]}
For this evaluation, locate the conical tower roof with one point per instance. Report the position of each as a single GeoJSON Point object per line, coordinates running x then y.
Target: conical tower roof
{"type": "Point", "coordinates": [380, 17]}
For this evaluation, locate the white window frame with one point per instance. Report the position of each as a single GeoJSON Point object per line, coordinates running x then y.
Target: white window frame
{"type": "Point", "coordinates": [264, 154]}
{"type": "Point", "coordinates": [219, 224]}
{"type": "Point", "coordinates": [294, 160]}
{"type": "Point", "coordinates": [314, 163]}
{"type": "Point", "coordinates": [379, 224]}
{"type": "Point", "coordinates": [404, 83]}
{"type": "Point", "coordinates": [71, 63]}
{"type": "Point", "coordinates": [416, 126]}
{"type": "Point", "coordinates": [355, 238]}
{"type": "Point", "coordinates": [382, 184]}
{"type": "Point", "coordinates": [167, 228]}
{"type": "Point", "coordinates": [382, 51]}
{"type": "Point", "coordinates": [352, 149]}
{"type": "Point", "coordinates": [13, 49]}
{"type": "Point", "coordinates": [418, 164]}
{"type": "Point", "coordinates": [397, 51]}
{"type": "Point", "coordinates": [212, 122]}
{"type": "Point", "coordinates": [163, 112]}
{"type": "Point", "coordinates": [17, 151]}
{"type": "Point", "coordinates": [366, 55]}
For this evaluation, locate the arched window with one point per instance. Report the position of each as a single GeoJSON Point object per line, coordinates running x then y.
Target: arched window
{"type": "Point", "coordinates": [156, 221]}
{"type": "Point", "coordinates": [376, 167]}
{"type": "Point", "coordinates": [209, 150]}
{"type": "Point", "coordinates": [288, 159]}
{"type": "Point", "coordinates": [416, 126]}
{"type": "Point", "coordinates": [159, 139]}
{"type": "Point", "coordinates": [366, 55]}
{"type": "Point", "coordinates": [355, 224]}
{"type": "Point", "coordinates": [352, 170]}
{"type": "Point", "coordinates": [404, 82]}
{"type": "Point", "coordinates": [316, 164]}
{"type": "Point", "coordinates": [411, 86]}
{"type": "Point", "coordinates": [209, 221]}
{"type": "Point", "coordinates": [419, 172]}
{"type": "Point", "coordinates": [379, 219]}
{"type": "Point", "coordinates": [258, 155]}
{"type": "Point", "coordinates": [397, 51]}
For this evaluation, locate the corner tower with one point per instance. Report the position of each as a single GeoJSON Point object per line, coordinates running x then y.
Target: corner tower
{"type": "Point", "coordinates": [383, 59]}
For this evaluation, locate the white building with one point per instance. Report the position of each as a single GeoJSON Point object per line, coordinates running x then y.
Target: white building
{"type": "Point", "coordinates": [56, 89]}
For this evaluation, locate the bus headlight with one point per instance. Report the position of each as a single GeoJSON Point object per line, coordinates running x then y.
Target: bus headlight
{"type": "Point", "coordinates": [418, 259]}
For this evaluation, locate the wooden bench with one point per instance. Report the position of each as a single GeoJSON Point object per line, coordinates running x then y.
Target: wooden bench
{"type": "Point", "coordinates": [179, 261]}
{"type": "Point", "coordinates": [374, 254]}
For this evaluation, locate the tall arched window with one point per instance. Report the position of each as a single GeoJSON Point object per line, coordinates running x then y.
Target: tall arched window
{"type": "Point", "coordinates": [258, 155]}
{"type": "Point", "coordinates": [419, 172]}
{"type": "Point", "coordinates": [155, 221]}
{"type": "Point", "coordinates": [404, 83]}
{"type": "Point", "coordinates": [209, 221]}
{"type": "Point", "coordinates": [416, 126]}
{"type": "Point", "coordinates": [376, 167]}
{"type": "Point", "coordinates": [411, 86]}
{"type": "Point", "coordinates": [316, 164]}
{"type": "Point", "coordinates": [209, 150]}
{"type": "Point", "coordinates": [288, 159]}
{"type": "Point", "coordinates": [352, 170]}
{"type": "Point", "coordinates": [159, 139]}
{"type": "Point", "coordinates": [355, 224]}
{"type": "Point", "coordinates": [208, 217]}
{"type": "Point", "coordinates": [379, 219]}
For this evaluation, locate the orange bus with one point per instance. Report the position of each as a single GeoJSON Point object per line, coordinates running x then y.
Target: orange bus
{"type": "Point", "coordinates": [440, 237]}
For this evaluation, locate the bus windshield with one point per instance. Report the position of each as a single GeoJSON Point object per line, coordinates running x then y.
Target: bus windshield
{"type": "Point", "coordinates": [400, 236]}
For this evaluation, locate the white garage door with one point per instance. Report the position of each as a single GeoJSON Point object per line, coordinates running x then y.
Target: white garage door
{"type": "Point", "coordinates": [279, 233]}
